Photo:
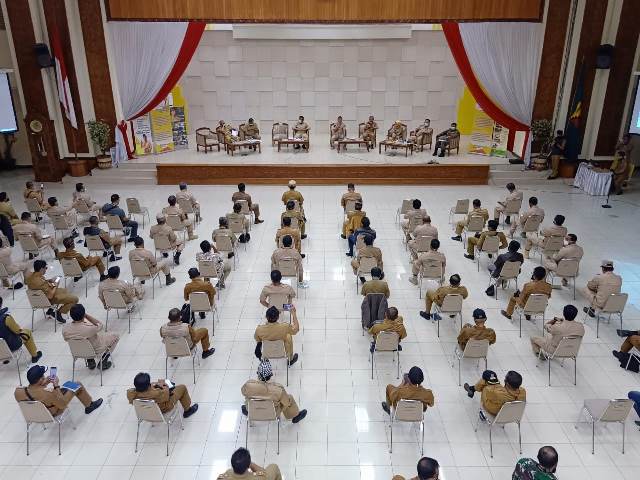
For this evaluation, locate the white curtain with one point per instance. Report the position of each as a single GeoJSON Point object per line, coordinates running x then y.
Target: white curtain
{"type": "Point", "coordinates": [145, 53]}
{"type": "Point", "coordinates": [505, 57]}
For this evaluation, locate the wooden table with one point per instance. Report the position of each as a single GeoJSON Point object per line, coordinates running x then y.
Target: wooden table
{"type": "Point", "coordinates": [231, 147]}
{"type": "Point", "coordinates": [294, 141]}
{"type": "Point", "coordinates": [408, 146]}
{"type": "Point", "coordinates": [351, 141]}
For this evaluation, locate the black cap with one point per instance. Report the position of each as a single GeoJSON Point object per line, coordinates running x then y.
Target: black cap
{"type": "Point", "coordinates": [478, 313]}
{"type": "Point", "coordinates": [35, 373]}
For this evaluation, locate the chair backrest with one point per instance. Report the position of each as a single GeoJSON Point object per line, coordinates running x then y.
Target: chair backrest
{"type": "Point", "coordinates": [273, 349]}
{"type": "Point", "coordinates": [510, 412]}
{"type": "Point", "coordinates": [288, 267]}
{"type": "Point", "coordinates": [208, 268]}
{"type": "Point", "coordinates": [5, 351]}
{"type": "Point", "coordinates": [617, 411]}
{"type": "Point", "coordinates": [133, 205]}
{"type": "Point", "coordinates": [510, 270]}
{"type": "Point", "coordinates": [176, 347]}
{"type": "Point", "coordinates": [407, 204]}
{"type": "Point", "coordinates": [139, 268]}
{"type": "Point", "coordinates": [476, 223]}
{"type": "Point", "coordinates": [261, 410]}
{"type": "Point", "coordinates": [81, 348]}
{"type": "Point", "coordinates": [148, 411]}
{"type": "Point", "coordinates": [432, 269]}
{"type": "Point", "coordinates": [532, 224]}
{"type": "Point", "coordinates": [462, 207]}
{"type": "Point", "coordinates": [71, 267]}
{"type": "Point", "coordinates": [28, 243]}
{"type": "Point", "coordinates": [199, 302]}
{"type": "Point", "coordinates": [114, 299]}
{"type": "Point", "coordinates": [278, 300]}
{"type": "Point", "coordinates": [38, 299]}
{"type": "Point", "coordinates": [476, 348]}
{"type": "Point", "coordinates": [175, 222]}
{"type": "Point", "coordinates": [223, 242]}
{"type": "Point", "coordinates": [414, 221]}
{"type": "Point", "coordinates": [568, 347]}
{"type": "Point", "coordinates": [491, 244]}
{"type": "Point", "coordinates": [161, 242]}
{"type": "Point", "coordinates": [185, 205]}
{"type": "Point", "coordinates": [202, 134]}
{"type": "Point", "coordinates": [33, 205]}
{"type": "Point", "coordinates": [114, 222]}
{"type": "Point", "coordinates": [567, 268]}
{"type": "Point", "coordinates": [552, 245]}
{"type": "Point", "coordinates": [81, 206]}
{"type": "Point", "coordinates": [59, 222]}
{"type": "Point", "coordinates": [280, 129]}
{"type": "Point", "coordinates": [513, 206]}
{"type": "Point", "coordinates": [408, 411]}
{"type": "Point", "coordinates": [94, 243]}
{"type": "Point", "coordinates": [34, 411]}
{"type": "Point", "coordinates": [244, 207]}
{"type": "Point", "coordinates": [454, 142]}
{"type": "Point", "coordinates": [536, 303]}
{"type": "Point", "coordinates": [241, 133]}
{"type": "Point", "coordinates": [404, 131]}
{"type": "Point", "coordinates": [361, 129]}
{"type": "Point", "coordinates": [452, 303]}
{"type": "Point", "coordinates": [366, 264]}
{"type": "Point", "coordinates": [615, 303]}
{"type": "Point", "coordinates": [423, 243]}
{"type": "Point", "coordinates": [295, 223]}
{"type": "Point", "coordinates": [350, 206]}
{"type": "Point", "coordinates": [236, 225]}
{"type": "Point", "coordinates": [360, 242]}
{"type": "Point", "coordinates": [387, 341]}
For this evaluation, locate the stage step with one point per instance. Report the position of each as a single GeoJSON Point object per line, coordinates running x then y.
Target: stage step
{"type": "Point", "coordinates": [504, 173]}
{"type": "Point", "coordinates": [136, 173]}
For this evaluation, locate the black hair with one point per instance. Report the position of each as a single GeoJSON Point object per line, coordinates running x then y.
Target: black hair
{"type": "Point", "coordinates": [115, 197]}
{"type": "Point", "coordinates": [77, 312]}
{"type": "Point", "coordinates": [376, 272]}
{"type": "Point", "coordinates": [174, 314]}
{"type": "Point", "coordinates": [513, 379]}
{"type": "Point", "coordinates": [427, 468]}
{"type": "Point", "coordinates": [365, 222]}
{"type": "Point", "coordinates": [416, 204]}
{"type": "Point", "coordinates": [39, 265]}
{"type": "Point", "coordinates": [569, 312]}
{"type": "Point", "coordinates": [533, 200]}
{"type": "Point", "coordinates": [511, 186]}
{"type": "Point", "coordinates": [514, 246]}
{"type": "Point", "coordinates": [113, 272]}
{"type": "Point", "coordinates": [193, 272]}
{"type": "Point", "coordinates": [272, 314]}
{"type": "Point", "coordinates": [276, 276]}
{"type": "Point", "coordinates": [138, 241]}
{"type": "Point", "coordinates": [492, 224]}
{"type": "Point", "coordinates": [240, 461]}
{"type": "Point", "coordinates": [476, 202]}
{"type": "Point", "coordinates": [368, 240]}
{"type": "Point", "coordinates": [286, 221]}
{"type": "Point", "coordinates": [548, 458]}
{"type": "Point", "coordinates": [416, 377]}
{"type": "Point", "coordinates": [287, 241]}
{"type": "Point", "coordinates": [241, 187]}
{"type": "Point", "coordinates": [172, 200]}
{"type": "Point", "coordinates": [455, 279]}
{"type": "Point", "coordinates": [435, 244]}
{"type": "Point", "coordinates": [558, 219]}
{"type": "Point", "coordinates": [142, 381]}
{"type": "Point", "coordinates": [539, 273]}
{"type": "Point", "coordinates": [205, 246]}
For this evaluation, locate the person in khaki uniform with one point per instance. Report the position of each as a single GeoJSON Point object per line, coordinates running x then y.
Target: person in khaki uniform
{"type": "Point", "coordinates": [107, 240]}
{"type": "Point", "coordinates": [338, 131]}
{"type": "Point", "coordinates": [291, 212]}
{"type": "Point", "coordinates": [428, 258]}
{"type": "Point", "coordinates": [238, 216]}
{"type": "Point", "coordinates": [631, 339]}
{"type": "Point", "coordinates": [558, 328]}
{"type": "Point", "coordinates": [25, 227]}
{"type": "Point", "coordinates": [140, 253]}
{"type": "Point", "coordinates": [48, 391]}
{"type": "Point", "coordinates": [292, 194]}
{"type": "Point", "coordinates": [620, 173]}
{"type": "Point", "coordinates": [185, 195]}
{"type": "Point", "coordinates": [424, 230]}
{"type": "Point", "coordinates": [420, 130]}
{"type": "Point", "coordinates": [31, 191]}
{"type": "Point", "coordinates": [538, 284]}
{"type": "Point", "coordinates": [251, 130]}
{"type": "Point", "coordinates": [477, 211]}
{"type": "Point", "coordinates": [242, 195]}
{"type": "Point", "coordinates": [477, 331]}
{"type": "Point", "coordinates": [85, 262]}
{"type": "Point", "coordinates": [438, 295]}
{"type": "Point", "coordinates": [494, 395]}
{"type": "Point", "coordinates": [376, 284]}
{"type": "Point", "coordinates": [129, 292]}
{"type": "Point", "coordinates": [294, 233]}
{"type": "Point", "coordinates": [350, 196]}
{"type": "Point", "coordinates": [396, 132]}
{"type": "Point", "coordinates": [175, 328]}
{"type": "Point", "coordinates": [369, 131]}
{"type": "Point", "coordinates": [11, 266]}
{"type": "Point", "coordinates": [353, 220]}
{"type": "Point", "coordinates": [242, 468]}
{"type": "Point", "coordinates": [159, 392]}
{"type": "Point", "coordinates": [413, 216]}
{"type": "Point", "coordinates": [56, 295]}
{"type": "Point", "coordinates": [367, 251]}
{"type": "Point", "coordinates": [428, 469]}
{"type": "Point", "coordinates": [223, 229]}
{"type": "Point", "coordinates": [69, 213]}
{"type": "Point", "coordinates": [301, 132]}
{"type": "Point", "coordinates": [274, 330]}
{"type": "Point", "coordinates": [600, 287]}
{"type": "Point", "coordinates": [174, 209]}
{"type": "Point", "coordinates": [162, 229]}
{"type": "Point", "coordinates": [287, 251]}
{"type": "Point", "coordinates": [198, 284]}
{"type": "Point", "coordinates": [555, 230]}
{"type": "Point", "coordinates": [571, 250]}
{"type": "Point", "coordinates": [392, 322]}
{"type": "Point", "coordinates": [16, 336]}
{"type": "Point", "coordinates": [80, 195]}
{"type": "Point", "coordinates": [474, 242]}
{"type": "Point", "coordinates": [86, 327]}
{"type": "Point", "coordinates": [534, 209]}
{"type": "Point", "coordinates": [512, 195]}
{"type": "Point", "coordinates": [6, 209]}
{"type": "Point", "coordinates": [410, 389]}
{"type": "Point", "coordinates": [264, 389]}
{"type": "Point", "coordinates": [275, 288]}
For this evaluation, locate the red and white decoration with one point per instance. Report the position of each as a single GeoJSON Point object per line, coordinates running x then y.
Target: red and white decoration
{"type": "Point", "coordinates": [64, 92]}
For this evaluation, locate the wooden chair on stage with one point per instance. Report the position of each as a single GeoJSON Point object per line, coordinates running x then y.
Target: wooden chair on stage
{"type": "Point", "coordinates": [361, 134]}
{"type": "Point", "coordinates": [404, 131]}
{"type": "Point", "coordinates": [344, 130]}
{"type": "Point", "coordinates": [454, 144]}
{"type": "Point", "coordinates": [424, 139]}
{"type": "Point", "coordinates": [279, 131]}
{"type": "Point", "coordinates": [206, 139]}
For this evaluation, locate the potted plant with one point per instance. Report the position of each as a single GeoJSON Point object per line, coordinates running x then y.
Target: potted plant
{"type": "Point", "coordinates": [99, 133]}
{"type": "Point", "coordinates": [542, 131]}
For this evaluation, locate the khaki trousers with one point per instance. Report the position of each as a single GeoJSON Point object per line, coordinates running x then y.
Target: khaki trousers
{"type": "Point", "coordinates": [94, 262]}
{"type": "Point", "coordinates": [555, 164]}
{"type": "Point", "coordinates": [81, 395]}
{"type": "Point", "coordinates": [537, 343]}
{"type": "Point", "coordinates": [512, 305]}
{"type": "Point", "coordinates": [471, 244]}
{"type": "Point", "coordinates": [29, 343]}
{"type": "Point", "coordinates": [460, 226]}
{"type": "Point", "coordinates": [272, 472]}
{"type": "Point", "coordinates": [497, 211]}
{"type": "Point", "coordinates": [162, 265]}
{"type": "Point", "coordinates": [201, 335]}
{"type": "Point", "coordinates": [288, 407]}
{"type": "Point", "coordinates": [180, 394]}
{"type": "Point", "coordinates": [429, 299]}
{"type": "Point", "coordinates": [63, 298]}
{"type": "Point", "coordinates": [255, 208]}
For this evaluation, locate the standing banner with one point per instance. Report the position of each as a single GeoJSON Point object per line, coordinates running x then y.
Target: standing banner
{"type": "Point", "coordinates": [487, 137]}
{"type": "Point", "coordinates": [161, 127]}
{"type": "Point", "coordinates": [142, 135]}
{"type": "Point", "coordinates": [179, 127]}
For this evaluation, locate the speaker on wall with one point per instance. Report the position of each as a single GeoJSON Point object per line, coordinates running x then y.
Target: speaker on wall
{"type": "Point", "coordinates": [604, 56]}
{"type": "Point", "coordinates": [43, 56]}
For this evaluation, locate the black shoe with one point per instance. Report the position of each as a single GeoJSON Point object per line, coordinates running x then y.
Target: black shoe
{"type": "Point", "coordinates": [616, 354]}
{"type": "Point", "coordinates": [441, 155]}
{"type": "Point", "coordinates": [104, 254]}
{"type": "Point", "coordinates": [425, 315]}
{"type": "Point", "coordinates": [74, 234]}
{"type": "Point", "coordinates": [491, 291]}
{"type": "Point", "coordinates": [300, 416]}
{"type": "Point", "coordinates": [470, 257]}
{"type": "Point", "coordinates": [507, 220]}
{"type": "Point", "coordinates": [303, 236]}
{"type": "Point", "coordinates": [76, 279]}
{"type": "Point", "coordinates": [244, 410]}
{"type": "Point", "coordinates": [95, 404]}
{"type": "Point", "coordinates": [50, 312]}
{"type": "Point", "coordinates": [470, 390]}
{"type": "Point", "coordinates": [91, 363]}
{"type": "Point", "coordinates": [386, 408]}
{"type": "Point", "coordinates": [528, 317]}
{"type": "Point", "coordinates": [130, 239]}
{"type": "Point", "coordinates": [60, 318]}
{"type": "Point", "coordinates": [165, 254]}
{"type": "Point", "coordinates": [170, 280]}
{"type": "Point", "coordinates": [142, 282]}
{"type": "Point", "coordinates": [103, 277]}
{"type": "Point", "coordinates": [294, 359]}
{"type": "Point", "coordinates": [362, 279]}
{"type": "Point", "coordinates": [399, 348]}
{"type": "Point", "coordinates": [17, 286]}
{"type": "Point", "coordinates": [344, 237]}
{"type": "Point", "coordinates": [208, 353]}
{"type": "Point", "coordinates": [372, 348]}
{"type": "Point", "coordinates": [505, 314]}
{"type": "Point", "coordinates": [113, 258]}
{"type": "Point", "coordinates": [6, 362]}
{"type": "Point", "coordinates": [589, 311]}
{"type": "Point", "coordinates": [202, 315]}
{"type": "Point", "coordinates": [105, 365]}
{"type": "Point", "coordinates": [231, 255]}
{"type": "Point", "coordinates": [552, 177]}
{"type": "Point", "coordinates": [637, 423]}
{"type": "Point", "coordinates": [176, 258]}
{"type": "Point", "coordinates": [37, 357]}
{"type": "Point", "coordinates": [490, 255]}
{"type": "Point", "coordinates": [625, 333]}
{"type": "Point", "coordinates": [303, 255]}
{"type": "Point", "coordinates": [257, 222]}
{"type": "Point", "coordinates": [190, 411]}
{"type": "Point", "coordinates": [31, 256]}
{"type": "Point", "coordinates": [349, 254]}
{"type": "Point", "coordinates": [523, 235]}
{"type": "Point", "coordinates": [457, 238]}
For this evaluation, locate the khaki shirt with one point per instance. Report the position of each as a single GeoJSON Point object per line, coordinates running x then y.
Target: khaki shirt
{"type": "Point", "coordinates": [36, 281]}
{"type": "Point", "coordinates": [241, 196]}
{"type": "Point", "coordinates": [177, 330]}
{"type": "Point", "coordinates": [492, 233]}
{"type": "Point", "coordinates": [281, 288]}
{"type": "Point", "coordinates": [603, 285]}
{"type": "Point", "coordinates": [534, 286]}
{"type": "Point", "coordinates": [84, 329]}
{"type": "Point", "coordinates": [411, 392]}
{"type": "Point", "coordinates": [477, 332]}
{"type": "Point", "coordinates": [294, 233]}
{"type": "Point", "coordinates": [52, 399]}
{"type": "Point", "coordinates": [515, 195]}
{"type": "Point", "coordinates": [146, 255]}
{"type": "Point", "coordinates": [236, 216]}
{"type": "Point", "coordinates": [450, 290]}
{"type": "Point", "coordinates": [128, 291]}
{"type": "Point", "coordinates": [188, 196]}
{"type": "Point", "coordinates": [27, 228]}
{"type": "Point", "coordinates": [425, 230]}
{"type": "Point", "coordinates": [396, 132]}
{"type": "Point", "coordinates": [415, 216]}
{"type": "Point", "coordinates": [301, 127]}
{"type": "Point", "coordinates": [231, 475]}
{"type": "Point", "coordinates": [34, 193]}
{"type": "Point", "coordinates": [354, 220]}
{"type": "Point", "coordinates": [164, 229]}
{"type": "Point", "coordinates": [156, 392]}
{"type": "Point", "coordinates": [292, 195]}
{"type": "Point", "coordinates": [267, 390]}
{"type": "Point", "coordinates": [292, 214]}
{"type": "Point", "coordinates": [426, 258]}
{"type": "Point", "coordinates": [387, 325]}
{"type": "Point", "coordinates": [200, 285]}
{"type": "Point", "coordinates": [7, 210]}
{"type": "Point", "coordinates": [274, 331]}
{"type": "Point", "coordinates": [494, 396]}
{"type": "Point", "coordinates": [371, 251]}
{"type": "Point", "coordinates": [339, 129]}
{"type": "Point", "coordinates": [478, 212]}
{"type": "Point", "coordinates": [375, 286]}
{"type": "Point", "coordinates": [554, 231]}
{"type": "Point", "coordinates": [561, 328]}
{"type": "Point", "coordinates": [569, 251]}
{"type": "Point", "coordinates": [174, 210]}
{"type": "Point", "coordinates": [282, 253]}
{"type": "Point", "coordinates": [535, 210]}
{"type": "Point", "coordinates": [251, 130]}
{"type": "Point", "coordinates": [72, 253]}
{"type": "Point", "coordinates": [58, 210]}
{"type": "Point", "coordinates": [82, 196]}
{"type": "Point", "coordinates": [350, 196]}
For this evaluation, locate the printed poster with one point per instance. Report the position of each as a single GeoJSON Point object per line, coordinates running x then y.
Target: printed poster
{"type": "Point", "coordinates": [179, 128]}
{"type": "Point", "coordinates": [162, 129]}
{"type": "Point", "coordinates": [142, 135]}
{"type": "Point", "coordinates": [487, 137]}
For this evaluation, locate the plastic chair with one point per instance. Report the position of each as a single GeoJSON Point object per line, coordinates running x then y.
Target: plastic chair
{"type": "Point", "coordinates": [288, 267]}
{"type": "Point", "coordinates": [140, 270]}
{"type": "Point", "coordinates": [605, 411]}
{"type": "Point", "coordinates": [176, 224]}
{"type": "Point", "coordinates": [509, 271]}
{"type": "Point", "coordinates": [34, 412]}
{"type": "Point", "coordinates": [567, 268]}
{"type": "Point", "coordinates": [9, 277]}
{"type": "Point", "coordinates": [387, 342]}
{"type": "Point", "coordinates": [510, 412]}
{"type": "Point", "coordinates": [511, 208]}
{"type": "Point", "coordinates": [262, 410]}
{"type": "Point", "coordinates": [224, 244]}
{"type": "Point", "coordinates": [94, 244]}
{"type": "Point", "coordinates": [134, 208]}
{"type": "Point", "coordinates": [246, 211]}
{"type": "Point", "coordinates": [71, 269]}
{"type": "Point", "coordinates": [423, 243]}
{"type": "Point", "coordinates": [407, 204]}
{"type": "Point", "coordinates": [82, 208]}
{"type": "Point", "coordinates": [114, 300]}
{"type": "Point", "coordinates": [82, 348]}
{"type": "Point", "coordinates": [474, 348]}
{"type": "Point", "coordinates": [149, 411]}
{"type": "Point", "coordinates": [274, 350]}
{"type": "Point", "coordinates": [186, 206]}
{"type": "Point", "coordinates": [114, 224]}
{"type": "Point", "coordinates": [199, 302]}
{"type": "Point", "coordinates": [568, 347]}
{"type": "Point", "coordinates": [34, 207]}
{"type": "Point", "coordinates": [473, 226]}
{"type": "Point", "coordinates": [162, 244]}
{"type": "Point", "coordinates": [550, 246]}
{"type": "Point", "coordinates": [532, 224]}
{"type": "Point", "coordinates": [178, 347]}
{"type": "Point", "coordinates": [29, 245]}
{"type": "Point", "coordinates": [208, 271]}
{"type": "Point", "coordinates": [6, 355]}
{"type": "Point", "coordinates": [39, 301]}
{"type": "Point", "coordinates": [350, 206]}
{"type": "Point", "coordinates": [359, 242]}
{"type": "Point", "coordinates": [410, 411]}
{"type": "Point", "coordinates": [451, 305]}
{"type": "Point", "coordinates": [536, 305]}
{"type": "Point", "coordinates": [490, 246]}
{"type": "Point", "coordinates": [364, 268]}
{"type": "Point", "coordinates": [614, 305]}
{"type": "Point", "coordinates": [431, 271]}
{"type": "Point", "coordinates": [60, 224]}
{"type": "Point", "coordinates": [461, 208]}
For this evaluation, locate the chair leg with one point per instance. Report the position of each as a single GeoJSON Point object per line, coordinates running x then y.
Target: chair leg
{"type": "Point", "coordinates": [168, 424]}
{"type": "Point", "coordinates": [422, 446]}
{"type": "Point", "coordinates": [371, 365]}
{"type": "Point", "coordinates": [593, 437]}
{"type": "Point", "coordinates": [106, 325]}
{"type": "Point", "coordinates": [575, 370]}
{"type": "Point", "coordinates": [490, 441]}
{"type": "Point", "coordinates": [391, 435]}
{"type": "Point", "coordinates": [101, 369]}
{"type": "Point", "coordinates": [73, 370]}
{"type": "Point", "coordinates": [520, 438]}
{"type": "Point", "coordinates": [278, 449]}
{"type": "Point", "coordinates": [59, 438]}
{"type": "Point", "coordinates": [287, 358]}
{"type": "Point", "coordinates": [460, 372]}
{"type": "Point", "coordinates": [166, 367]}
{"type": "Point", "coordinates": [549, 365]}
{"type": "Point", "coordinates": [28, 439]}
{"type": "Point", "coordinates": [398, 366]}
{"type": "Point", "coordinates": [193, 365]}
{"type": "Point", "coordinates": [137, 436]}
{"type": "Point", "coordinates": [623, 428]}
{"type": "Point", "coordinates": [246, 437]}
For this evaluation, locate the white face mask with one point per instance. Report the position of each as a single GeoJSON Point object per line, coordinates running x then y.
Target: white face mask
{"type": "Point", "coordinates": [566, 242]}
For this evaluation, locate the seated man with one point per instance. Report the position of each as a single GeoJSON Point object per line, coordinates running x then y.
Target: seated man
{"type": "Point", "coordinates": [293, 194]}
{"type": "Point", "coordinates": [184, 195]}
{"type": "Point", "coordinates": [159, 392]}
{"type": "Point", "coordinates": [85, 262]}
{"type": "Point", "coordinates": [276, 287]}
{"type": "Point", "coordinates": [444, 138]}
{"type": "Point", "coordinates": [140, 253]}
{"type": "Point", "coordinates": [478, 331]}
{"type": "Point", "coordinates": [264, 389]}
{"type": "Point", "coordinates": [376, 284]}
{"type": "Point", "coordinates": [80, 195]}
{"type": "Point", "coordinates": [162, 229]}
{"type": "Point", "coordinates": [543, 469]}
{"type": "Point", "coordinates": [365, 229]}
{"type": "Point", "coordinates": [410, 389]}
{"type": "Point", "coordinates": [396, 132]}
{"type": "Point", "coordinates": [428, 258]}
{"type": "Point", "coordinates": [392, 322]}
{"type": "Point", "coordinates": [367, 251]}
{"type": "Point", "coordinates": [223, 229]}
{"type": "Point", "coordinates": [25, 227]}
{"type": "Point", "coordinates": [631, 339]}
{"type": "Point", "coordinates": [511, 255]}
{"type": "Point", "coordinates": [571, 250]}
{"type": "Point", "coordinates": [428, 469]}
{"type": "Point", "coordinates": [175, 328]}
{"type": "Point", "coordinates": [534, 210]}
{"type": "Point", "coordinates": [198, 284]}
{"type": "Point", "coordinates": [274, 330]}
{"type": "Point", "coordinates": [243, 467]}
{"type": "Point", "coordinates": [438, 295]}
{"type": "Point", "coordinates": [353, 220]}
{"type": "Point", "coordinates": [301, 132]}
{"type": "Point", "coordinates": [294, 233]}
{"type": "Point", "coordinates": [238, 216]}
{"type": "Point", "coordinates": [538, 284]}
{"type": "Point", "coordinates": [635, 396]}
{"type": "Point", "coordinates": [424, 128]}
{"type": "Point", "coordinates": [86, 327]}
{"type": "Point", "coordinates": [600, 287]}
{"type": "Point", "coordinates": [210, 254]}
{"type": "Point", "coordinates": [130, 292]}
{"type": "Point", "coordinates": [413, 217]}
{"type": "Point", "coordinates": [369, 131]}
{"type": "Point", "coordinates": [108, 241]}
{"type": "Point", "coordinates": [56, 399]}
{"type": "Point", "coordinates": [293, 213]}
{"type": "Point", "coordinates": [16, 336]}
{"type": "Point", "coordinates": [474, 242]}
{"type": "Point", "coordinates": [423, 230]}
{"type": "Point", "coordinates": [338, 131]}
{"type": "Point", "coordinates": [512, 195]}
{"type": "Point", "coordinates": [174, 209]}
{"type": "Point", "coordinates": [10, 266]}
{"type": "Point", "coordinates": [55, 294]}
{"type": "Point", "coordinates": [558, 328]}
{"type": "Point", "coordinates": [287, 251]}
{"type": "Point", "coordinates": [31, 191]}
{"type": "Point", "coordinates": [477, 211]}
{"type": "Point", "coordinates": [113, 208]}
{"type": "Point", "coordinates": [68, 213]}
{"type": "Point", "coordinates": [350, 196]}
{"type": "Point", "coordinates": [242, 195]}
{"type": "Point", "coordinates": [495, 395]}
{"type": "Point", "coordinates": [251, 130]}
{"type": "Point", "coordinates": [6, 209]}
{"type": "Point", "coordinates": [555, 230]}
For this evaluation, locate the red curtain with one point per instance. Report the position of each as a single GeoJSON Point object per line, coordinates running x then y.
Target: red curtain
{"type": "Point", "coordinates": [454, 39]}
{"type": "Point", "coordinates": [189, 44]}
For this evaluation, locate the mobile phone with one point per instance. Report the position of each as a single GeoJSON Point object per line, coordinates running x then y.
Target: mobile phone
{"type": "Point", "coordinates": [169, 384]}
{"type": "Point", "coordinates": [53, 372]}
{"type": "Point", "coordinates": [42, 186]}
{"type": "Point", "coordinates": [287, 306]}
{"type": "Point", "coordinates": [57, 279]}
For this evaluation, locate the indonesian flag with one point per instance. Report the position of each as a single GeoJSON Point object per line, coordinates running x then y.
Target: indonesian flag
{"type": "Point", "coordinates": [64, 92]}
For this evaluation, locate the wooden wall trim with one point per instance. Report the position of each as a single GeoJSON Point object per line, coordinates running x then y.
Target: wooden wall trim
{"type": "Point", "coordinates": [56, 17]}
{"type": "Point", "coordinates": [277, 174]}
{"type": "Point", "coordinates": [619, 77]}
{"type": "Point", "coordinates": [327, 11]}
{"type": "Point", "coordinates": [552, 55]}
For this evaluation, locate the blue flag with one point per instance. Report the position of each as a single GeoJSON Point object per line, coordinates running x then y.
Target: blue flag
{"type": "Point", "coordinates": [572, 128]}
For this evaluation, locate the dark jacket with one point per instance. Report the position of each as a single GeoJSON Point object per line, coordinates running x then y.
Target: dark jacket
{"type": "Point", "coordinates": [506, 257]}
{"type": "Point", "coordinates": [364, 231]}
{"type": "Point", "coordinates": [13, 339]}
{"type": "Point", "coordinates": [373, 308]}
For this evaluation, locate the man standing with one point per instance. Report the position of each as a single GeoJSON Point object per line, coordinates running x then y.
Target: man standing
{"type": "Point", "coordinates": [477, 211]}
{"type": "Point", "coordinates": [543, 469]}
{"type": "Point", "coordinates": [274, 330]}
{"type": "Point", "coordinates": [159, 392]}
{"type": "Point", "coordinates": [437, 296]}
{"type": "Point", "coordinates": [162, 229]}
{"type": "Point", "coordinates": [85, 262]}
{"type": "Point", "coordinates": [538, 284]}
{"type": "Point", "coordinates": [557, 151]}
{"type": "Point", "coordinates": [184, 195]}
{"type": "Point", "coordinates": [176, 328]}
{"type": "Point", "coordinates": [56, 295]}
{"type": "Point", "coordinates": [478, 331]}
{"type": "Point", "coordinates": [558, 328]}
{"type": "Point", "coordinates": [113, 208]}
{"type": "Point", "coordinates": [410, 389]}
{"type": "Point", "coordinates": [600, 287]}
{"type": "Point", "coordinates": [511, 196]}
{"type": "Point", "coordinates": [86, 327]}
{"type": "Point", "coordinates": [174, 209]}
{"type": "Point", "coordinates": [140, 253]}
{"type": "Point", "coordinates": [242, 195]}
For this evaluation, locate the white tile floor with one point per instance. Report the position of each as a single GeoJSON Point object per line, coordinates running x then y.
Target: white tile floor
{"type": "Point", "coordinates": [345, 435]}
